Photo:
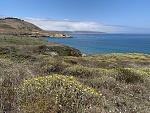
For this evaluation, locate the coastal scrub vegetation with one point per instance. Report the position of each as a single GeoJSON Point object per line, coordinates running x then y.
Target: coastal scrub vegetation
{"type": "Point", "coordinates": [34, 79]}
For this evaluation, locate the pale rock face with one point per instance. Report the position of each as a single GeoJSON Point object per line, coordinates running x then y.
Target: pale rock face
{"type": "Point", "coordinates": [61, 35]}
{"type": "Point", "coordinates": [52, 53]}
{"type": "Point", "coordinates": [83, 55]}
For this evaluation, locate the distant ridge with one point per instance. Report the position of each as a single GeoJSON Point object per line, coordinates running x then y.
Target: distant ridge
{"type": "Point", "coordinates": [18, 27]}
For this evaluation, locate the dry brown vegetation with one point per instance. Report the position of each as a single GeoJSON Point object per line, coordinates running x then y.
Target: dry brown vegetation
{"type": "Point", "coordinates": [33, 81]}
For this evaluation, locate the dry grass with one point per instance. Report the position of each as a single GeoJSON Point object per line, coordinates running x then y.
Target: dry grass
{"type": "Point", "coordinates": [33, 81]}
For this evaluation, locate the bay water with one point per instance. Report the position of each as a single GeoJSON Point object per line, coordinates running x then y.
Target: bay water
{"type": "Point", "coordinates": [107, 43]}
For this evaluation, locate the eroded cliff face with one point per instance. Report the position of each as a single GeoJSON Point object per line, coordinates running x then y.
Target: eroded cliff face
{"type": "Point", "coordinates": [18, 27]}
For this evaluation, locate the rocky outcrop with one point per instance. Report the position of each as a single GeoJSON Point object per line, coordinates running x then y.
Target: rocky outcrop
{"type": "Point", "coordinates": [49, 34]}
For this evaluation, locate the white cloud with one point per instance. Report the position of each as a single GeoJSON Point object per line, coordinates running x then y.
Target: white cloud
{"type": "Point", "coordinates": [66, 19]}
{"type": "Point", "coordinates": [66, 25]}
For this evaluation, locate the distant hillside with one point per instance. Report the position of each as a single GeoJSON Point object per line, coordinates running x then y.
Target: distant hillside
{"type": "Point", "coordinates": [18, 27]}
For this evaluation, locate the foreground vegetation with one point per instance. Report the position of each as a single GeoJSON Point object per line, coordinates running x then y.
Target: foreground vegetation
{"type": "Point", "coordinates": [33, 80]}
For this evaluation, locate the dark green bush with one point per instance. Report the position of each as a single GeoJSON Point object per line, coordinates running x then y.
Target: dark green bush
{"type": "Point", "coordinates": [130, 75]}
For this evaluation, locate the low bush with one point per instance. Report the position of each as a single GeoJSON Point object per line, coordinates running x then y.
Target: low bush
{"type": "Point", "coordinates": [61, 50]}
{"type": "Point", "coordinates": [80, 71]}
{"type": "Point", "coordinates": [130, 75]}
{"type": "Point", "coordinates": [65, 92]}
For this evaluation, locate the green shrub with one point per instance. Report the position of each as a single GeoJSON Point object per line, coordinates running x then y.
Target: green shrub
{"type": "Point", "coordinates": [61, 50]}
{"type": "Point", "coordinates": [54, 67]}
{"type": "Point", "coordinates": [84, 72]}
{"type": "Point", "coordinates": [66, 51]}
{"type": "Point", "coordinates": [80, 71]}
{"type": "Point", "coordinates": [130, 75]}
{"type": "Point", "coordinates": [7, 50]}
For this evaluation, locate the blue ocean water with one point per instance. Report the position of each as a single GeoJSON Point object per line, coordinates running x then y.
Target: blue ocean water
{"type": "Point", "coordinates": [107, 43]}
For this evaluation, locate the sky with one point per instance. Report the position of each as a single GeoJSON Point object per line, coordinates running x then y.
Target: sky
{"type": "Point", "coordinates": [114, 16]}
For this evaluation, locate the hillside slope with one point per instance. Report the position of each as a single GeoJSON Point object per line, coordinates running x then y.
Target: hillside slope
{"type": "Point", "coordinates": [18, 27]}
{"type": "Point", "coordinates": [35, 80]}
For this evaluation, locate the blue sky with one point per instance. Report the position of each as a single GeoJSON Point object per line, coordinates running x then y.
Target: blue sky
{"type": "Point", "coordinates": [111, 15]}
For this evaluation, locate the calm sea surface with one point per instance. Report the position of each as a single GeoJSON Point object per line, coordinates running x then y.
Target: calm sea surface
{"type": "Point", "coordinates": [107, 43]}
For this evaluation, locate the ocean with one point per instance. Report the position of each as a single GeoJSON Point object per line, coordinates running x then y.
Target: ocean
{"type": "Point", "coordinates": [107, 43]}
